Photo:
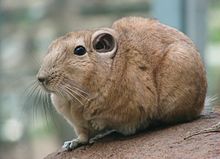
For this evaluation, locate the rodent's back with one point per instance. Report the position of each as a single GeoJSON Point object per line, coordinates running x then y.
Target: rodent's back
{"type": "Point", "coordinates": [174, 62]}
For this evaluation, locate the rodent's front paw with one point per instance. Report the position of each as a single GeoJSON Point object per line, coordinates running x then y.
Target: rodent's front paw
{"type": "Point", "coordinates": [70, 145]}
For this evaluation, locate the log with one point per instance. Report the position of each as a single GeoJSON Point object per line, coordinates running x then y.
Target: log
{"type": "Point", "coordinates": [163, 142]}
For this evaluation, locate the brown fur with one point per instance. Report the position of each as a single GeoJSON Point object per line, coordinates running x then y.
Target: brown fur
{"type": "Point", "coordinates": [156, 74]}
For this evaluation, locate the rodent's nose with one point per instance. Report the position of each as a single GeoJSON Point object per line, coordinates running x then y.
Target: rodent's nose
{"type": "Point", "coordinates": [42, 79]}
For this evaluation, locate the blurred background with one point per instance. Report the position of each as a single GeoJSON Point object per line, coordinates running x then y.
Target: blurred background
{"type": "Point", "coordinates": [27, 27]}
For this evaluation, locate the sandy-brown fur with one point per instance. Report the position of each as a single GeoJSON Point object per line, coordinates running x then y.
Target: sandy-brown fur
{"type": "Point", "coordinates": [156, 74]}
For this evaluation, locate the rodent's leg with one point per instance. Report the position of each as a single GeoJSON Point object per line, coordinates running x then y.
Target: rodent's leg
{"type": "Point", "coordinates": [82, 138]}
{"type": "Point", "coordinates": [98, 125]}
{"type": "Point", "coordinates": [74, 116]}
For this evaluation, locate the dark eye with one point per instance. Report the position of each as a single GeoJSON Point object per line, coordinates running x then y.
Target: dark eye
{"type": "Point", "coordinates": [80, 50]}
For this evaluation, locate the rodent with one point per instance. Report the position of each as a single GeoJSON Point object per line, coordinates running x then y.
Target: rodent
{"type": "Point", "coordinates": [124, 78]}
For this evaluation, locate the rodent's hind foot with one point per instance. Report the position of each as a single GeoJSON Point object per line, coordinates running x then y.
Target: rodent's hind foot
{"type": "Point", "coordinates": [101, 135]}
{"type": "Point", "coordinates": [71, 145]}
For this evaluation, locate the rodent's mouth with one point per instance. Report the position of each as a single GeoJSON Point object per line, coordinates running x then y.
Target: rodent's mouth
{"type": "Point", "coordinates": [45, 88]}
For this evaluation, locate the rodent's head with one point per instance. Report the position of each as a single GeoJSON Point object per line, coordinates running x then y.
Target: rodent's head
{"type": "Point", "coordinates": [78, 61]}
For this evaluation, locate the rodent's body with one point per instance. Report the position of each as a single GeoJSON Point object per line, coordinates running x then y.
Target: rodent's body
{"type": "Point", "coordinates": [155, 74]}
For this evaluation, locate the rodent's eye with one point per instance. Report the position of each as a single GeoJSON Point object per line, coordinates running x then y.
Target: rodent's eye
{"type": "Point", "coordinates": [79, 50]}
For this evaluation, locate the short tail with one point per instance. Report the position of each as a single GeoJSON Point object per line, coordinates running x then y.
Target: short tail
{"type": "Point", "coordinates": [209, 105]}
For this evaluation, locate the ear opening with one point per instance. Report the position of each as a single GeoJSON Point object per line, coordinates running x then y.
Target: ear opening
{"type": "Point", "coordinates": [104, 41]}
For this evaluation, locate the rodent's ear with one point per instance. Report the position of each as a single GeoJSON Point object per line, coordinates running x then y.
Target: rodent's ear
{"type": "Point", "coordinates": [104, 41]}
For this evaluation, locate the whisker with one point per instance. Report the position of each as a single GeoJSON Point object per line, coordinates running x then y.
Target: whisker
{"type": "Point", "coordinates": [44, 104]}
{"type": "Point", "coordinates": [78, 94]}
{"type": "Point", "coordinates": [37, 101]}
{"type": "Point", "coordinates": [72, 84]}
{"type": "Point", "coordinates": [30, 95]}
{"type": "Point", "coordinates": [49, 104]}
{"type": "Point", "coordinates": [80, 90]}
{"type": "Point", "coordinates": [51, 111]}
{"type": "Point", "coordinates": [71, 94]}
{"type": "Point", "coordinates": [59, 91]}
{"type": "Point", "coordinates": [29, 92]}
{"type": "Point", "coordinates": [30, 87]}
{"type": "Point", "coordinates": [48, 100]}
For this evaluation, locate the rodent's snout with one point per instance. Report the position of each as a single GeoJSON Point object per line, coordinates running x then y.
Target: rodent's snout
{"type": "Point", "coordinates": [44, 83]}
{"type": "Point", "coordinates": [48, 79]}
{"type": "Point", "coordinates": [41, 78]}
